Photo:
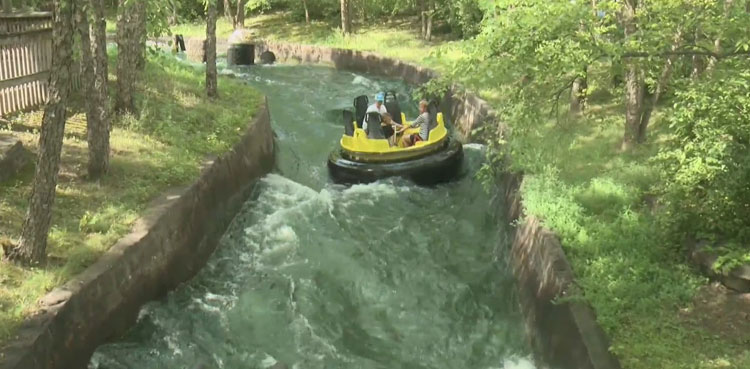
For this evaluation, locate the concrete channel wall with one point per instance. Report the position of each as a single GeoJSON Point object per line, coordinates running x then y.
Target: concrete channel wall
{"type": "Point", "coordinates": [563, 334]}
{"type": "Point", "coordinates": [168, 246]}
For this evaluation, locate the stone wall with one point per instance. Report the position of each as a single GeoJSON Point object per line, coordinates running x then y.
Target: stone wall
{"type": "Point", "coordinates": [168, 246]}
{"type": "Point", "coordinates": [564, 335]}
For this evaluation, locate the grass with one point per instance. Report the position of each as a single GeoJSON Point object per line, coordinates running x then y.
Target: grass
{"type": "Point", "coordinates": [594, 196]}
{"type": "Point", "coordinates": [177, 130]}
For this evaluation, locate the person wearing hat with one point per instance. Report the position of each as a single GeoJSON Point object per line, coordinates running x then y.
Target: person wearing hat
{"type": "Point", "coordinates": [378, 106]}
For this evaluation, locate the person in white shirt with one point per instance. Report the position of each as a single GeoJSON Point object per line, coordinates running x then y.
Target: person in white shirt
{"type": "Point", "coordinates": [376, 107]}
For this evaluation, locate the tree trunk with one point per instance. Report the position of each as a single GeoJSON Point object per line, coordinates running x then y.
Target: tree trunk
{"type": "Point", "coordinates": [140, 36]}
{"type": "Point", "coordinates": [430, 5]}
{"type": "Point", "coordinates": [653, 98]}
{"type": "Point", "coordinates": [32, 247]}
{"type": "Point", "coordinates": [126, 60]}
{"type": "Point", "coordinates": [578, 94]}
{"type": "Point", "coordinates": [698, 61]}
{"type": "Point", "coordinates": [173, 17]}
{"type": "Point", "coordinates": [423, 16]}
{"type": "Point", "coordinates": [98, 127]}
{"type": "Point", "coordinates": [211, 49]}
{"type": "Point", "coordinates": [239, 16]}
{"type": "Point", "coordinates": [228, 11]}
{"type": "Point", "coordinates": [345, 22]}
{"type": "Point", "coordinates": [349, 12]}
{"type": "Point", "coordinates": [717, 43]}
{"type": "Point", "coordinates": [634, 84]}
{"type": "Point", "coordinates": [97, 165]}
{"type": "Point", "coordinates": [307, 14]}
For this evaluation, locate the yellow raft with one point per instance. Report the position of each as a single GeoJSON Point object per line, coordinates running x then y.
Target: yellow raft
{"type": "Point", "coordinates": [366, 156]}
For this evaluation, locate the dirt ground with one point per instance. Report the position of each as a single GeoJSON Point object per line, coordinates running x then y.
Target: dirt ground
{"type": "Point", "coordinates": [721, 312]}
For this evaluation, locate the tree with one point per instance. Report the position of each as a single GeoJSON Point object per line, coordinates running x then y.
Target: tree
{"type": "Point", "coordinates": [239, 16]}
{"type": "Point", "coordinates": [427, 13]}
{"type": "Point", "coordinates": [634, 85]}
{"type": "Point", "coordinates": [140, 34]}
{"type": "Point", "coordinates": [32, 247]}
{"type": "Point", "coordinates": [211, 48]}
{"type": "Point", "coordinates": [131, 44]}
{"type": "Point", "coordinates": [98, 141]}
{"type": "Point", "coordinates": [126, 60]}
{"type": "Point", "coordinates": [578, 94]}
{"type": "Point", "coordinates": [346, 21]}
{"type": "Point", "coordinates": [98, 124]}
{"type": "Point", "coordinates": [228, 10]}
{"type": "Point", "coordinates": [307, 13]}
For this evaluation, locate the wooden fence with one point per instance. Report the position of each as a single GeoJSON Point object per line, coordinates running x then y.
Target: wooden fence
{"type": "Point", "coordinates": [25, 60]}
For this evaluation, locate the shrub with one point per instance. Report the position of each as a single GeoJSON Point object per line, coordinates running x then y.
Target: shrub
{"type": "Point", "coordinates": [707, 163]}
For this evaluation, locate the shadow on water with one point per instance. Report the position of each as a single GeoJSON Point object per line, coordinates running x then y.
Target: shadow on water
{"type": "Point", "coordinates": [316, 275]}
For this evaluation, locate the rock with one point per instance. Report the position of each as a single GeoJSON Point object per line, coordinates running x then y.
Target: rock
{"type": "Point", "coordinates": [742, 271]}
{"type": "Point", "coordinates": [737, 279]}
{"type": "Point", "coordinates": [56, 297]}
{"type": "Point", "coordinates": [737, 284]}
{"type": "Point", "coordinates": [13, 156]}
{"type": "Point", "coordinates": [267, 57]}
{"type": "Point", "coordinates": [196, 50]}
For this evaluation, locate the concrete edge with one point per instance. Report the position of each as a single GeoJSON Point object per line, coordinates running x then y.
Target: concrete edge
{"type": "Point", "coordinates": [167, 246]}
{"type": "Point", "coordinates": [566, 334]}
{"type": "Point", "coordinates": [562, 327]}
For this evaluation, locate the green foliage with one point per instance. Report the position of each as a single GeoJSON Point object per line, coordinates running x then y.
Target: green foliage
{"type": "Point", "coordinates": [464, 17]}
{"type": "Point", "coordinates": [707, 162]}
{"type": "Point", "coordinates": [258, 6]}
{"type": "Point", "coordinates": [187, 10]}
{"type": "Point", "coordinates": [432, 90]}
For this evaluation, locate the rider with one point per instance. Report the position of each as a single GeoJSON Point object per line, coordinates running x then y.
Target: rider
{"type": "Point", "coordinates": [422, 122]}
{"type": "Point", "coordinates": [376, 107]}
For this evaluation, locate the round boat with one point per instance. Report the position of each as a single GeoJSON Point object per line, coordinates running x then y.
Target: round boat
{"type": "Point", "coordinates": [366, 155]}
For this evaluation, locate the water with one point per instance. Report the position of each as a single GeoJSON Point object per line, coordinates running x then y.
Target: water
{"type": "Point", "coordinates": [315, 275]}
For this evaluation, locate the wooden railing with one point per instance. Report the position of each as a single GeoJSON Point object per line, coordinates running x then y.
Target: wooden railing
{"type": "Point", "coordinates": [25, 60]}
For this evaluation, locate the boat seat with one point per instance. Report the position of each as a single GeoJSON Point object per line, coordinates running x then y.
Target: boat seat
{"type": "Point", "coordinates": [360, 107]}
{"type": "Point", "coordinates": [374, 130]}
{"type": "Point", "coordinates": [348, 118]}
{"type": "Point", "coordinates": [394, 109]}
{"type": "Point", "coordinates": [432, 111]}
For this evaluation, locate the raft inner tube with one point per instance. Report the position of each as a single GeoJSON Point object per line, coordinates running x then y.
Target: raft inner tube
{"type": "Point", "coordinates": [438, 167]}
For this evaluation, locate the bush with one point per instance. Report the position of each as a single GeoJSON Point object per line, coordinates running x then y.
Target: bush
{"type": "Point", "coordinates": [465, 17]}
{"type": "Point", "coordinates": [707, 163]}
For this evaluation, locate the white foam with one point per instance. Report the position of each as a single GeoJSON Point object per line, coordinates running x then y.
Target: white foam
{"type": "Point", "coordinates": [268, 361]}
{"type": "Point", "coordinates": [474, 147]}
{"type": "Point", "coordinates": [518, 363]}
{"type": "Point", "coordinates": [359, 80]}
{"type": "Point", "coordinates": [374, 189]}
{"type": "Point", "coordinates": [171, 341]}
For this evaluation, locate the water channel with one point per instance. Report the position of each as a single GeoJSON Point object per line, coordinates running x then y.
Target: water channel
{"type": "Point", "coordinates": [316, 275]}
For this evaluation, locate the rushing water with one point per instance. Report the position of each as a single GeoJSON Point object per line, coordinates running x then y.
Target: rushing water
{"type": "Point", "coordinates": [315, 275]}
